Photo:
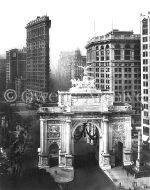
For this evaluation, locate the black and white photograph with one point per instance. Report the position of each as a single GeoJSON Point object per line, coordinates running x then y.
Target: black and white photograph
{"type": "Point", "coordinates": [74, 95]}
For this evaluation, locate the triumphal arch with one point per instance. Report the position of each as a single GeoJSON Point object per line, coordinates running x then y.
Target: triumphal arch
{"type": "Point", "coordinates": [102, 121]}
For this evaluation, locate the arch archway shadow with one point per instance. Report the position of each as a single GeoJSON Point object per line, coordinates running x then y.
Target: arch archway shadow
{"type": "Point", "coordinates": [86, 150]}
{"type": "Point", "coordinates": [53, 155]}
{"type": "Point", "coordinates": [119, 154]}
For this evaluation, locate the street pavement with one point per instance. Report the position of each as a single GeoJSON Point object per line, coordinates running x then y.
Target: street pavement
{"type": "Point", "coordinates": [121, 178]}
{"type": "Point", "coordinates": [86, 178]}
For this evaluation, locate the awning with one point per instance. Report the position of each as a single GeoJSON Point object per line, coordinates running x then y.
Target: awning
{"type": "Point", "coordinates": [145, 137]}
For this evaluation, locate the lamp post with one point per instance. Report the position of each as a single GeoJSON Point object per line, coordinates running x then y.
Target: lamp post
{"type": "Point", "coordinates": [139, 161]}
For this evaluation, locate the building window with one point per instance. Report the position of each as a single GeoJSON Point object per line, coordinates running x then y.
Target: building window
{"type": "Point", "coordinates": [146, 121]}
{"type": "Point", "coordinates": [145, 69]}
{"type": "Point", "coordinates": [145, 61]}
{"type": "Point", "coordinates": [107, 87]}
{"type": "Point", "coordinates": [145, 54]}
{"type": "Point", "coordinates": [144, 39]}
{"type": "Point", "coordinates": [102, 53]}
{"type": "Point", "coordinates": [145, 130]}
{"type": "Point", "coordinates": [127, 52]}
{"type": "Point", "coordinates": [137, 52]}
{"type": "Point", "coordinates": [145, 26]}
{"type": "Point", "coordinates": [145, 91]}
{"type": "Point", "coordinates": [145, 83]}
{"type": "Point", "coordinates": [145, 46]}
{"type": "Point", "coordinates": [145, 113]}
{"type": "Point", "coordinates": [145, 76]}
{"type": "Point", "coordinates": [146, 107]}
{"type": "Point", "coordinates": [97, 48]}
{"type": "Point", "coordinates": [117, 52]}
{"type": "Point", "coordinates": [97, 58]}
{"type": "Point", "coordinates": [107, 52]}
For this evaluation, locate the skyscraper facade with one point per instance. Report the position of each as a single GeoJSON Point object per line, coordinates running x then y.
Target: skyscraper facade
{"type": "Point", "coordinates": [2, 77]}
{"type": "Point", "coordinates": [145, 77]}
{"type": "Point", "coordinates": [15, 66]}
{"type": "Point", "coordinates": [38, 65]}
{"type": "Point", "coordinates": [69, 68]}
{"type": "Point", "coordinates": [115, 65]}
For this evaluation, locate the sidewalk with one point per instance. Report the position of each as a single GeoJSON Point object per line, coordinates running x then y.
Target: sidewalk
{"type": "Point", "coordinates": [61, 175]}
{"type": "Point", "coordinates": [119, 176]}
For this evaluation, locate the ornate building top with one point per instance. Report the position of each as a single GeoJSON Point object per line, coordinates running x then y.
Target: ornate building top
{"type": "Point", "coordinates": [85, 85]}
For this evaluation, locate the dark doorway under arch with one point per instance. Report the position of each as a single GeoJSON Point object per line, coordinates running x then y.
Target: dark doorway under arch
{"type": "Point", "coordinates": [119, 154]}
{"type": "Point", "coordinates": [86, 147]}
{"type": "Point", "coordinates": [53, 155]}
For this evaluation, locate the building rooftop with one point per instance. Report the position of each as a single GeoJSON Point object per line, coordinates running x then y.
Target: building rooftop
{"type": "Point", "coordinates": [114, 35]}
{"type": "Point", "coordinates": [37, 21]}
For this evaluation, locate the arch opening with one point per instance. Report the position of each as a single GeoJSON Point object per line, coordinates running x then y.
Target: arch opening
{"type": "Point", "coordinates": [86, 145]}
{"type": "Point", "coordinates": [53, 155]}
{"type": "Point", "coordinates": [119, 154]}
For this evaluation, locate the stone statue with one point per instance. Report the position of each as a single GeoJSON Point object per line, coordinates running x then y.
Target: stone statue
{"type": "Point", "coordinates": [85, 69]}
{"type": "Point", "coordinates": [74, 82]}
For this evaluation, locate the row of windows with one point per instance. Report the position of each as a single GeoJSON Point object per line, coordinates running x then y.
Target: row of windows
{"type": "Point", "coordinates": [102, 69]}
{"type": "Point", "coordinates": [102, 64]}
{"type": "Point", "coordinates": [36, 32]}
{"type": "Point", "coordinates": [102, 75]}
{"type": "Point", "coordinates": [117, 46]}
{"type": "Point", "coordinates": [103, 86]}
{"type": "Point", "coordinates": [127, 69]}
{"type": "Point", "coordinates": [127, 75]}
{"type": "Point", "coordinates": [127, 82]}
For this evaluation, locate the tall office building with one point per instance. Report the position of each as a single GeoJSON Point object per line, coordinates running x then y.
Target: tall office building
{"type": "Point", "coordinates": [115, 65]}
{"type": "Point", "coordinates": [37, 68]}
{"type": "Point", "coordinates": [145, 77]}
{"type": "Point", "coordinates": [68, 68]}
{"type": "Point", "coordinates": [15, 66]}
{"type": "Point", "coordinates": [2, 77]}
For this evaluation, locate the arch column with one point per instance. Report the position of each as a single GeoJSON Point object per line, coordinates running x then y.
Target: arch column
{"type": "Point", "coordinates": [43, 161]}
{"type": "Point", "coordinates": [68, 136]}
{"type": "Point", "coordinates": [105, 154]}
{"type": "Point", "coordinates": [68, 156]}
{"type": "Point", "coordinates": [139, 161]}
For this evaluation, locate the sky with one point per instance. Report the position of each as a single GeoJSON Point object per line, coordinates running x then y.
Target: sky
{"type": "Point", "coordinates": [73, 22]}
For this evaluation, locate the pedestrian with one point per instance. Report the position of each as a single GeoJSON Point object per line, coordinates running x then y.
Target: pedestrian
{"type": "Point", "coordinates": [127, 173]}
{"type": "Point", "coordinates": [120, 184]}
{"type": "Point", "coordinates": [129, 188]}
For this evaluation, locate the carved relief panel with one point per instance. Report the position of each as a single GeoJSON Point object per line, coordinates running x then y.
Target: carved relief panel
{"type": "Point", "coordinates": [53, 132]}
{"type": "Point", "coordinates": [118, 132]}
